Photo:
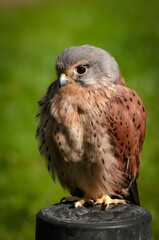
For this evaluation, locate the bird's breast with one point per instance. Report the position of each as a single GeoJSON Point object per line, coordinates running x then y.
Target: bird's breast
{"type": "Point", "coordinates": [79, 130]}
{"type": "Point", "coordinates": [78, 122]}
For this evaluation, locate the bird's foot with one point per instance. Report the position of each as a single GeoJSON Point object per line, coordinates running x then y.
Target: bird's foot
{"type": "Point", "coordinates": [78, 202]}
{"type": "Point", "coordinates": [106, 200]}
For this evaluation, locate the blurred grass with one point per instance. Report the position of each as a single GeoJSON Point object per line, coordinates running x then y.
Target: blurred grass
{"type": "Point", "coordinates": [31, 36]}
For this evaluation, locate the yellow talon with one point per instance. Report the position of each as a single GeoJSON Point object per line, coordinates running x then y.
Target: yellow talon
{"type": "Point", "coordinates": [78, 202]}
{"type": "Point", "coordinates": [106, 200]}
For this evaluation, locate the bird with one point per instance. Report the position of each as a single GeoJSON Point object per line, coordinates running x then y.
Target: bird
{"type": "Point", "coordinates": [91, 128]}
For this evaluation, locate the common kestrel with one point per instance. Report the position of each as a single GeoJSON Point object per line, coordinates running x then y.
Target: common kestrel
{"type": "Point", "coordinates": [92, 128]}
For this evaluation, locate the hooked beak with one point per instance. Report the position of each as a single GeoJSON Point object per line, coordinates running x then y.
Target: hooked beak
{"type": "Point", "coordinates": [63, 79]}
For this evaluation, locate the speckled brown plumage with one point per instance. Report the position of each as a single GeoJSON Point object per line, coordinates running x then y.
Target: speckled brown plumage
{"type": "Point", "coordinates": [92, 126]}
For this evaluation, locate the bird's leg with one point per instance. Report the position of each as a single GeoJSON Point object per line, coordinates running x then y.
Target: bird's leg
{"type": "Point", "coordinates": [78, 202]}
{"type": "Point", "coordinates": [107, 200]}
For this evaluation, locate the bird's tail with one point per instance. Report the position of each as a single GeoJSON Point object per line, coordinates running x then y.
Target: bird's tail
{"type": "Point", "coordinates": [134, 194]}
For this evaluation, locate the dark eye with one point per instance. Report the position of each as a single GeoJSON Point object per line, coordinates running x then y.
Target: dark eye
{"type": "Point", "coordinates": [81, 69]}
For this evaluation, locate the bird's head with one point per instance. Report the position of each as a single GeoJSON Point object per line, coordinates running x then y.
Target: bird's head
{"type": "Point", "coordinates": [86, 65]}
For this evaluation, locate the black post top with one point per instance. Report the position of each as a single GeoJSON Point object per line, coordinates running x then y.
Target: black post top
{"type": "Point", "coordinates": [64, 222]}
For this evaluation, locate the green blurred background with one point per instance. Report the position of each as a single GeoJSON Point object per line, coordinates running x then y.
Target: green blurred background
{"type": "Point", "coordinates": [31, 37]}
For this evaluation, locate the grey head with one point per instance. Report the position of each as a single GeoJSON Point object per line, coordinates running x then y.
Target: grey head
{"type": "Point", "coordinates": [86, 65]}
